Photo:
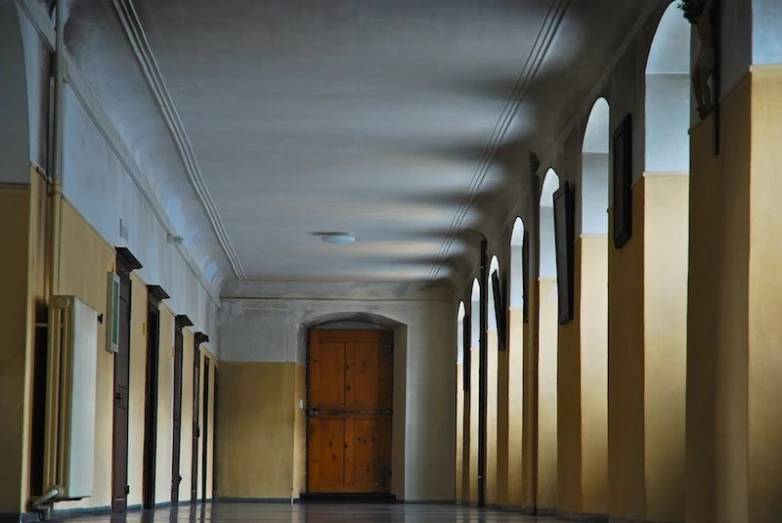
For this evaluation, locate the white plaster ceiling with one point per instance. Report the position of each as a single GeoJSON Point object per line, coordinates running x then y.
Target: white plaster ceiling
{"type": "Point", "coordinates": [368, 116]}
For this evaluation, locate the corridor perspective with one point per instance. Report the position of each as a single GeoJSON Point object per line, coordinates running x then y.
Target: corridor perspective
{"type": "Point", "coordinates": [391, 260]}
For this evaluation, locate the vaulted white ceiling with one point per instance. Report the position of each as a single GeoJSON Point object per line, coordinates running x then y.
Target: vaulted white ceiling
{"type": "Point", "coordinates": [405, 122]}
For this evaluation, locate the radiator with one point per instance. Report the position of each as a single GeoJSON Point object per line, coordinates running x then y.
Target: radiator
{"type": "Point", "coordinates": [69, 451]}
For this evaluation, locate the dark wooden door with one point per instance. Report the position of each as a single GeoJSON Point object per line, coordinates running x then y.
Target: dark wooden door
{"type": "Point", "coordinates": [194, 450]}
{"type": "Point", "coordinates": [214, 437]}
{"type": "Point", "coordinates": [176, 449]}
{"type": "Point", "coordinates": [205, 426]}
{"type": "Point", "coordinates": [349, 415]}
{"type": "Point", "coordinates": [126, 263]}
{"type": "Point", "coordinates": [156, 294]}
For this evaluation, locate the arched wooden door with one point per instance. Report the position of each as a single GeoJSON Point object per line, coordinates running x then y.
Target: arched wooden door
{"type": "Point", "coordinates": [350, 413]}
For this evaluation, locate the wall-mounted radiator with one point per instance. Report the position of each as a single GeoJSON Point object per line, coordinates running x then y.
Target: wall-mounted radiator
{"type": "Point", "coordinates": [69, 451]}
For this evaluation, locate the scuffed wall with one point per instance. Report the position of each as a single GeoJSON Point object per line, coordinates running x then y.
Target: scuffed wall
{"type": "Point", "coordinates": [269, 330]}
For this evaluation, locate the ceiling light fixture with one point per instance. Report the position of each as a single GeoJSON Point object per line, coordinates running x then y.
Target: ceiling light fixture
{"type": "Point", "coordinates": [338, 238]}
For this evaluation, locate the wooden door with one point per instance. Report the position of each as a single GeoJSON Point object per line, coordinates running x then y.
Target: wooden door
{"type": "Point", "coordinates": [155, 295]}
{"type": "Point", "coordinates": [126, 263]}
{"type": "Point", "coordinates": [214, 436]}
{"type": "Point", "coordinates": [350, 412]}
{"type": "Point", "coordinates": [194, 454]}
{"type": "Point", "coordinates": [205, 425]}
{"type": "Point", "coordinates": [176, 449]}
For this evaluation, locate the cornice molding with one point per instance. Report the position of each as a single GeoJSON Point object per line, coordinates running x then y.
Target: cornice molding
{"type": "Point", "coordinates": [44, 26]}
{"type": "Point", "coordinates": [156, 293]}
{"type": "Point", "coordinates": [146, 60]}
{"type": "Point", "coordinates": [528, 72]}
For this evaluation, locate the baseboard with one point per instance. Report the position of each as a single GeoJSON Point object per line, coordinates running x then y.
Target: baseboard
{"type": "Point", "coordinates": [18, 517]}
{"type": "Point", "coordinates": [275, 501]}
{"type": "Point", "coordinates": [78, 512]}
{"type": "Point", "coordinates": [614, 519]}
{"type": "Point", "coordinates": [348, 498]}
{"type": "Point", "coordinates": [548, 512]}
{"type": "Point", "coordinates": [578, 516]}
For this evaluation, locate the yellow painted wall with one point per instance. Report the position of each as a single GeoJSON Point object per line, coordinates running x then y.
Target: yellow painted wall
{"type": "Point", "coordinates": [764, 306]}
{"type": "Point", "coordinates": [299, 431]}
{"type": "Point", "coordinates": [530, 401]}
{"type": "Point", "coordinates": [626, 370]}
{"type": "Point", "coordinates": [15, 205]}
{"type": "Point", "coordinates": [502, 426]}
{"type": "Point", "coordinates": [568, 422]}
{"type": "Point", "coordinates": [165, 422]}
{"type": "Point", "coordinates": [547, 396]}
{"type": "Point", "coordinates": [186, 454]}
{"type": "Point", "coordinates": [592, 307]}
{"type": "Point", "coordinates": [665, 343]}
{"type": "Point", "coordinates": [138, 380]}
{"type": "Point", "coordinates": [467, 465]}
{"type": "Point", "coordinates": [459, 487]}
{"type": "Point", "coordinates": [492, 374]}
{"type": "Point", "coordinates": [85, 261]}
{"type": "Point", "coordinates": [474, 376]}
{"type": "Point", "coordinates": [734, 392]}
{"type": "Point", "coordinates": [515, 408]}
{"type": "Point", "coordinates": [256, 430]}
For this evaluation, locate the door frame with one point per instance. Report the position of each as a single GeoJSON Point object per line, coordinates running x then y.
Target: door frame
{"type": "Point", "coordinates": [180, 322]}
{"type": "Point", "coordinates": [125, 264]}
{"type": "Point", "coordinates": [388, 342]}
{"type": "Point", "coordinates": [198, 339]}
{"type": "Point", "coordinates": [215, 395]}
{"type": "Point", "coordinates": [207, 368]}
{"type": "Point", "coordinates": [155, 294]}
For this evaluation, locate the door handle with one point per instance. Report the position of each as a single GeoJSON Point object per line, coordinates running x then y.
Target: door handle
{"type": "Point", "coordinates": [313, 413]}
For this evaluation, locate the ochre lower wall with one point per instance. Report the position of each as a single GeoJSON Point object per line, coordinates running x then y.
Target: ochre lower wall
{"type": "Point", "coordinates": [529, 442]}
{"type": "Point", "coordinates": [85, 261]}
{"type": "Point", "coordinates": [15, 204]}
{"type": "Point", "coordinates": [666, 214]}
{"type": "Point", "coordinates": [459, 486]}
{"type": "Point", "coordinates": [474, 376]}
{"type": "Point", "coordinates": [547, 396]}
{"type": "Point", "coordinates": [492, 432]}
{"type": "Point", "coordinates": [626, 369]}
{"type": "Point", "coordinates": [515, 407]}
{"type": "Point", "coordinates": [256, 430]}
{"type": "Point", "coordinates": [592, 299]}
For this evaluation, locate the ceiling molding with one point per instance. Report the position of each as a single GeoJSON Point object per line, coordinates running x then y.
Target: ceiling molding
{"type": "Point", "coordinates": [530, 69]}
{"type": "Point", "coordinates": [44, 26]}
{"type": "Point", "coordinates": [146, 60]}
{"type": "Point", "coordinates": [328, 291]}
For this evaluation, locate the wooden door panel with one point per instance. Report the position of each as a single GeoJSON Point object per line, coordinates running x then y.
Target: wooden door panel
{"type": "Point", "coordinates": [349, 423]}
{"type": "Point", "coordinates": [366, 462]}
{"type": "Point", "coordinates": [327, 375]}
{"type": "Point", "coordinates": [365, 380]}
{"type": "Point", "coordinates": [327, 455]}
{"type": "Point", "coordinates": [121, 401]}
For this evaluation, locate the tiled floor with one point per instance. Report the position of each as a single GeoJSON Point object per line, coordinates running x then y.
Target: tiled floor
{"type": "Point", "coordinates": [320, 513]}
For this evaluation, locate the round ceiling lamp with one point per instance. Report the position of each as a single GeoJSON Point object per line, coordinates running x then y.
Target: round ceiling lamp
{"type": "Point", "coordinates": [338, 238]}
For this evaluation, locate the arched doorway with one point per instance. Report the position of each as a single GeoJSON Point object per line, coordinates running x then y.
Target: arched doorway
{"type": "Point", "coordinates": [548, 326]}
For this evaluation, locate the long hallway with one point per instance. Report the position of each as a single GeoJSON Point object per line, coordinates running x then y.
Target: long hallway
{"type": "Point", "coordinates": [320, 513]}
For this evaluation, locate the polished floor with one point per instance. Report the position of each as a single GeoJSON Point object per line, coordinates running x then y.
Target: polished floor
{"type": "Point", "coordinates": [319, 513]}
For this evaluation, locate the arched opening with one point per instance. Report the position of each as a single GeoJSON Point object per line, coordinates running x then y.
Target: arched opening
{"type": "Point", "coordinates": [592, 312]}
{"type": "Point", "coordinates": [667, 108]}
{"type": "Point", "coordinates": [475, 330]}
{"type": "Point", "coordinates": [336, 343]}
{"type": "Point", "coordinates": [515, 361]}
{"type": "Point", "coordinates": [665, 264]}
{"type": "Point", "coordinates": [547, 349]}
{"type": "Point", "coordinates": [493, 472]}
{"type": "Point", "coordinates": [461, 350]}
